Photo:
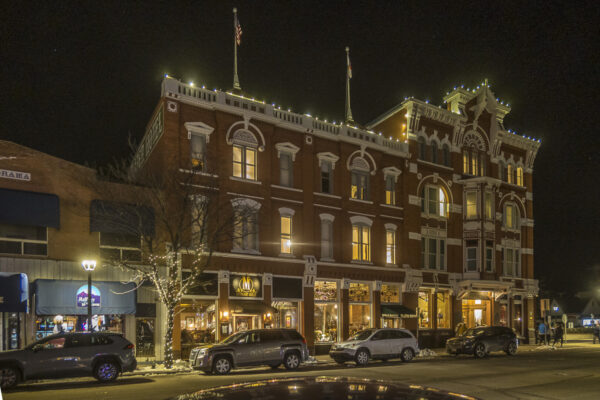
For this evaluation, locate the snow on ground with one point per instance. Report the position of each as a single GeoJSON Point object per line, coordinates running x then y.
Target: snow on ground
{"type": "Point", "coordinates": [427, 353]}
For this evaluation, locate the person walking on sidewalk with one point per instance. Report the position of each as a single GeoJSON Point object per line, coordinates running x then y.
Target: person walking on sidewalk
{"type": "Point", "coordinates": [596, 332]}
{"type": "Point", "coordinates": [558, 334]}
{"type": "Point", "coordinates": [542, 332]}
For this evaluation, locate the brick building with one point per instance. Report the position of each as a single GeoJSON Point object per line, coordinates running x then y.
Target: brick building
{"type": "Point", "coordinates": [423, 219]}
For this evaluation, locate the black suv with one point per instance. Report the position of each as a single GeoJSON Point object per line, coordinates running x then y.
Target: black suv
{"type": "Point", "coordinates": [102, 355]}
{"type": "Point", "coordinates": [483, 340]}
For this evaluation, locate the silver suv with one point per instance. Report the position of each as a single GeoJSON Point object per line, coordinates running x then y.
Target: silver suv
{"type": "Point", "coordinates": [103, 355]}
{"type": "Point", "coordinates": [271, 347]}
{"type": "Point", "coordinates": [381, 344]}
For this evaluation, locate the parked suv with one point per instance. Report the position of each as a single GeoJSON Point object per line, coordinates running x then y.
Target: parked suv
{"type": "Point", "coordinates": [483, 340]}
{"type": "Point", "coordinates": [381, 344]}
{"type": "Point", "coordinates": [271, 347]}
{"type": "Point", "coordinates": [103, 355]}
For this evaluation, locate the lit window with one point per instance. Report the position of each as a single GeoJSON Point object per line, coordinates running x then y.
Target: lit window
{"type": "Point", "coordinates": [390, 247]}
{"type": "Point", "coordinates": [433, 201]}
{"type": "Point", "coordinates": [360, 185]}
{"type": "Point", "coordinates": [465, 162]}
{"type": "Point", "coordinates": [474, 162]}
{"type": "Point", "coordinates": [198, 151]}
{"type": "Point", "coordinates": [471, 205]}
{"type": "Point", "coordinates": [509, 174]}
{"type": "Point", "coordinates": [361, 250]}
{"type": "Point", "coordinates": [511, 216]}
{"type": "Point", "coordinates": [390, 190]}
{"type": "Point", "coordinates": [488, 206]}
{"type": "Point", "coordinates": [286, 235]}
{"type": "Point", "coordinates": [244, 162]}
{"type": "Point", "coordinates": [482, 164]}
{"type": "Point", "coordinates": [520, 176]}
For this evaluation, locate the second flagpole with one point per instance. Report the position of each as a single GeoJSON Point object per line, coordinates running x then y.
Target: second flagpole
{"type": "Point", "coordinates": [236, 80]}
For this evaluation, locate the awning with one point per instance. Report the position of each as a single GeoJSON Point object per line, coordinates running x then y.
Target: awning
{"type": "Point", "coordinates": [287, 288]}
{"type": "Point", "coordinates": [397, 310]}
{"type": "Point", "coordinates": [473, 295]}
{"type": "Point", "coordinates": [70, 297]}
{"type": "Point", "coordinates": [123, 218]}
{"type": "Point", "coordinates": [29, 208]}
{"type": "Point", "coordinates": [250, 307]}
{"type": "Point", "coordinates": [14, 292]}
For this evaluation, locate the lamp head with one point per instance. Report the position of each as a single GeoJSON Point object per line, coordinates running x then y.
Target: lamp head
{"type": "Point", "coordinates": [88, 265]}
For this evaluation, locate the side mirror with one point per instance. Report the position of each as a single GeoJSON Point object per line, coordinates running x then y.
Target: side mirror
{"type": "Point", "coordinates": [37, 348]}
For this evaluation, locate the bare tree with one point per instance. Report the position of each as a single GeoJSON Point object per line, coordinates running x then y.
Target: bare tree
{"type": "Point", "coordinates": [176, 213]}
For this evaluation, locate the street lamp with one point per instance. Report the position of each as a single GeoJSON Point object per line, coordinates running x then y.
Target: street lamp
{"type": "Point", "coordinates": [89, 266]}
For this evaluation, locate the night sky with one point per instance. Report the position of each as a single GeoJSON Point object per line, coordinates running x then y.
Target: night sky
{"type": "Point", "coordinates": [79, 77]}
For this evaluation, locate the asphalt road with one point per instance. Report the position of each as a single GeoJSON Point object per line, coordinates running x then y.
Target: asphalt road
{"type": "Point", "coordinates": [545, 374]}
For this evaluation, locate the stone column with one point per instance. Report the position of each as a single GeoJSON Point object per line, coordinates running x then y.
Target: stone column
{"type": "Point", "coordinates": [344, 324]}
{"type": "Point", "coordinates": [411, 300]}
{"type": "Point", "coordinates": [268, 297]}
{"type": "Point", "coordinates": [223, 313]}
{"type": "Point", "coordinates": [308, 306]}
{"type": "Point", "coordinates": [376, 314]}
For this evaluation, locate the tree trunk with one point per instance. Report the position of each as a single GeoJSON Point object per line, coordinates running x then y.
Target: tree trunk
{"type": "Point", "coordinates": [169, 336]}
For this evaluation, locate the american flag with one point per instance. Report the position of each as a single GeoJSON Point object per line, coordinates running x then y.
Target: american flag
{"type": "Point", "coordinates": [349, 65]}
{"type": "Point", "coordinates": [238, 31]}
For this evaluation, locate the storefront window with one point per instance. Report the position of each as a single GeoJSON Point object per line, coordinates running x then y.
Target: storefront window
{"type": "Point", "coordinates": [287, 317]}
{"type": "Point", "coordinates": [359, 292]}
{"type": "Point", "coordinates": [360, 307]}
{"type": "Point", "coordinates": [424, 311]}
{"type": "Point", "coordinates": [144, 328]}
{"type": "Point", "coordinates": [198, 324]}
{"type": "Point", "coordinates": [390, 294]}
{"type": "Point", "coordinates": [325, 291]}
{"type": "Point", "coordinates": [326, 311]}
{"type": "Point", "coordinates": [443, 310]}
{"type": "Point", "coordinates": [502, 315]}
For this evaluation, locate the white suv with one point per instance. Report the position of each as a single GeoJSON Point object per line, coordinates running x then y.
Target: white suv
{"type": "Point", "coordinates": [381, 344]}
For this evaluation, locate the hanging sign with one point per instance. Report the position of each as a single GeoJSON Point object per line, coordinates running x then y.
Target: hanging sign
{"type": "Point", "coordinates": [82, 296]}
{"type": "Point", "coordinates": [245, 286]}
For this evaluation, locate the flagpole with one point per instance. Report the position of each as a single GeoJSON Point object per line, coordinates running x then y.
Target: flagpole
{"type": "Point", "coordinates": [348, 109]}
{"type": "Point", "coordinates": [236, 80]}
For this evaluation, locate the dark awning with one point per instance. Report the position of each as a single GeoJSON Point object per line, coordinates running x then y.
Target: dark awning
{"type": "Point", "coordinates": [70, 297]}
{"type": "Point", "coordinates": [287, 288]}
{"type": "Point", "coordinates": [14, 292]}
{"type": "Point", "coordinates": [123, 218]}
{"type": "Point", "coordinates": [29, 208]}
{"type": "Point", "coordinates": [397, 310]}
{"type": "Point", "coordinates": [250, 307]}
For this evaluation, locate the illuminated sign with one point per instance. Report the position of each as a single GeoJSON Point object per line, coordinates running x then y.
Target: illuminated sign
{"type": "Point", "coordinates": [82, 296]}
{"type": "Point", "coordinates": [245, 286]}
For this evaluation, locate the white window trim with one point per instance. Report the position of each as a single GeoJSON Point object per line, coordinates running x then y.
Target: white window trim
{"type": "Point", "coordinates": [254, 206]}
{"type": "Point", "coordinates": [361, 220]}
{"type": "Point", "coordinates": [466, 205]}
{"type": "Point", "coordinates": [327, 156]}
{"type": "Point", "coordinates": [477, 258]}
{"type": "Point", "coordinates": [199, 128]}
{"type": "Point", "coordinates": [287, 147]}
{"type": "Point", "coordinates": [437, 239]}
{"type": "Point", "coordinates": [391, 171]}
{"type": "Point", "coordinates": [286, 212]}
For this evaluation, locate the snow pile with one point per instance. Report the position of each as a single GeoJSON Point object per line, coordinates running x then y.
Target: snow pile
{"type": "Point", "coordinates": [544, 347]}
{"type": "Point", "coordinates": [427, 353]}
{"type": "Point", "coordinates": [178, 366]}
{"type": "Point", "coordinates": [311, 360]}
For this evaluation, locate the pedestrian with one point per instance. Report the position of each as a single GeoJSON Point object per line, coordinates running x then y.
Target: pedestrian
{"type": "Point", "coordinates": [542, 332]}
{"type": "Point", "coordinates": [558, 334]}
{"type": "Point", "coordinates": [596, 332]}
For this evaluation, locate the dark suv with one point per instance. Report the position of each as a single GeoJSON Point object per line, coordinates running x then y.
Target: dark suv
{"type": "Point", "coordinates": [271, 347]}
{"type": "Point", "coordinates": [483, 340]}
{"type": "Point", "coordinates": [103, 355]}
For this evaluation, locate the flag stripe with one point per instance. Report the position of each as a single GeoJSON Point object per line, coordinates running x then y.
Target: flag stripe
{"type": "Point", "coordinates": [238, 32]}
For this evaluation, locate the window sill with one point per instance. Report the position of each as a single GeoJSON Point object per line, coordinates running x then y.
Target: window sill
{"type": "Point", "coordinates": [432, 164]}
{"type": "Point", "coordinates": [286, 255]}
{"type": "Point", "coordinates": [333, 196]}
{"type": "Point", "coordinates": [361, 262]}
{"type": "Point", "coordinates": [391, 206]}
{"type": "Point", "coordinates": [190, 171]}
{"type": "Point", "coordinates": [433, 216]}
{"type": "Point", "coordinates": [246, 251]}
{"type": "Point", "coordinates": [361, 201]}
{"type": "Point", "coordinates": [287, 188]}
{"type": "Point", "coordinates": [391, 265]}
{"type": "Point", "coordinates": [235, 178]}
{"type": "Point", "coordinates": [327, 259]}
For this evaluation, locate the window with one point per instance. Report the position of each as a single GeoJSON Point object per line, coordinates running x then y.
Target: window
{"type": "Point", "coordinates": [433, 253]}
{"type": "Point", "coordinates": [433, 201]}
{"type": "Point", "coordinates": [446, 155]}
{"type": "Point", "coordinates": [244, 162]}
{"type": "Point", "coordinates": [471, 205]}
{"type": "Point", "coordinates": [198, 151]}
{"type": "Point", "coordinates": [474, 162]}
{"type": "Point", "coordinates": [434, 152]}
{"type": "Point", "coordinates": [23, 239]}
{"type": "Point", "coordinates": [443, 309]}
{"type": "Point", "coordinates": [422, 148]}
{"type": "Point", "coordinates": [326, 177]}
{"type": "Point", "coordinates": [512, 262]}
{"type": "Point", "coordinates": [285, 170]}
{"type": "Point", "coordinates": [509, 174]}
{"type": "Point", "coordinates": [326, 237]}
{"type": "Point", "coordinates": [120, 247]}
{"type": "Point", "coordinates": [423, 305]}
{"type": "Point", "coordinates": [482, 164]}
{"type": "Point", "coordinates": [471, 255]}
{"type": "Point", "coordinates": [489, 256]}
{"type": "Point", "coordinates": [246, 232]}
{"type": "Point", "coordinates": [361, 243]}
{"type": "Point", "coordinates": [360, 185]}
{"type": "Point", "coordinates": [511, 216]}
{"type": "Point", "coordinates": [520, 176]}
{"type": "Point", "coordinates": [390, 190]}
{"type": "Point", "coordinates": [359, 310]}
{"type": "Point", "coordinates": [390, 246]}
{"type": "Point", "coordinates": [465, 161]}
{"type": "Point", "coordinates": [502, 171]}
{"type": "Point", "coordinates": [489, 210]}
{"type": "Point", "coordinates": [286, 235]}
{"type": "Point", "coordinates": [198, 221]}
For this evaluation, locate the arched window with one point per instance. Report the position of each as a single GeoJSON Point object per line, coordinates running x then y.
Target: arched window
{"type": "Point", "coordinates": [422, 150]}
{"type": "Point", "coordinates": [512, 216]}
{"type": "Point", "coordinates": [434, 201]}
{"type": "Point", "coordinates": [244, 155]}
{"type": "Point", "coordinates": [520, 176]}
{"type": "Point", "coordinates": [446, 154]}
{"type": "Point", "coordinates": [359, 171]}
{"type": "Point", "coordinates": [474, 162]}
{"type": "Point", "coordinates": [434, 152]}
{"type": "Point", "coordinates": [361, 238]}
{"type": "Point", "coordinates": [482, 164]}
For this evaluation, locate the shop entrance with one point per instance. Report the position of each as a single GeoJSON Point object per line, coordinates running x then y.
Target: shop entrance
{"type": "Point", "coordinates": [391, 322]}
{"type": "Point", "coordinates": [244, 322]}
{"type": "Point", "coordinates": [476, 312]}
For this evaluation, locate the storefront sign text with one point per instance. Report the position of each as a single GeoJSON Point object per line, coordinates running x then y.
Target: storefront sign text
{"type": "Point", "coordinates": [82, 296]}
{"type": "Point", "coordinates": [245, 286]}
{"type": "Point", "coordinates": [16, 175]}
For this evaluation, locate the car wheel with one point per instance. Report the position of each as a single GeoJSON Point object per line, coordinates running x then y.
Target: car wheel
{"type": "Point", "coordinates": [275, 366]}
{"type": "Point", "coordinates": [479, 350]}
{"type": "Point", "coordinates": [222, 365]}
{"type": "Point", "coordinates": [362, 357]}
{"type": "Point", "coordinates": [9, 377]}
{"type": "Point", "coordinates": [407, 354]}
{"type": "Point", "coordinates": [291, 360]}
{"type": "Point", "coordinates": [106, 371]}
{"type": "Point", "coordinates": [511, 350]}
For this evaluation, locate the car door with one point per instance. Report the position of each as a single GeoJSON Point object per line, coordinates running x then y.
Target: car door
{"type": "Point", "coordinates": [247, 349]}
{"type": "Point", "coordinates": [271, 342]}
{"type": "Point", "coordinates": [379, 344]}
{"type": "Point", "coordinates": [49, 358]}
{"type": "Point", "coordinates": [492, 339]}
{"type": "Point", "coordinates": [399, 340]}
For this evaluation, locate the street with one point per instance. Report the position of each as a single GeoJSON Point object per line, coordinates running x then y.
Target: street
{"type": "Point", "coordinates": [571, 372]}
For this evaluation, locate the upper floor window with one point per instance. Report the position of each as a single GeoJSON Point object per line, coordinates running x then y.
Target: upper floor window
{"type": "Point", "coordinates": [361, 238]}
{"type": "Point", "coordinates": [245, 232]}
{"type": "Point", "coordinates": [390, 243]}
{"type": "Point", "coordinates": [434, 201]}
{"type": "Point", "coordinates": [326, 236]}
{"type": "Point", "coordinates": [434, 152]}
{"type": "Point", "coordinates": [360, 185]}
{"type": "Point", "coordinates": [489, 256]}
{"type": "Point", "coordinates": [326, 177]}
{"type": "Point", "coordinates": [520, 176]}
{"type": "Point", "coordinates": [199, 135]}
{"type": "Point", "coordinates": [285, 170]}
{"type": "Point", "coordinates": [511, 216]}
{"type": "Point", "coordinates": [244, 162]}
{"type": "Point", "coordinates": [120, 247]}
{"type": "Point", "coordinates": [422, 148]}
{"type": "Point", "coordinates": [512, 262]}
{"type": "Point", "coordinates": [489, 208]}
{"type": "Point", "coordinates": [502, 171]}
{"type": "Point", "coordinates": [471, 251]}
{"type": "Point", "coordinates": [286, 215]}
{"type": "Point", "coordinates": [23, 239]}
{"type": "Point", "coordinates": [474, 162]}
{"type": "Point", "coordinates": [446, 154]}
{"type": "Point", "coordinates": [471, 203]}
{"type": "Point", "coordinates": [433, 253]}
{"type": "Point", "coordinates": [510, 174]}
{"type": "Point", "coordinates": [390, 190]}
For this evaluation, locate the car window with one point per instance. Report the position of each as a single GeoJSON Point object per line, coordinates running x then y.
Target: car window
{"type": "Point", "coordinates": [292, 335]}
{"type": "Point", "coordinates": [54, 343]}
{"type": "Point", "coordinates": [271, 336]}
{"type": "Point", "coordinates": [381, 335]}
{"type": "Point", "coordinates": [101, 340]}
{"type": "Point", "coordinates": [80, 340]}
{"type": "Point", "coordinates": [399, 335]}
{"type": "Point", "coordinates": [362, 335]}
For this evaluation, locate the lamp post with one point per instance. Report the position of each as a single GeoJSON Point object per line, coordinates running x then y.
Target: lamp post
{"type": "Point", "coordinates": [89, 266]}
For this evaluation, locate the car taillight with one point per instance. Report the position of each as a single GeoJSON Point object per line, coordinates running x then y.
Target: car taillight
{"type": "Point", "coordinates": [303, 340]}
{"type": "Point", "coordinates": [129, 346]}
